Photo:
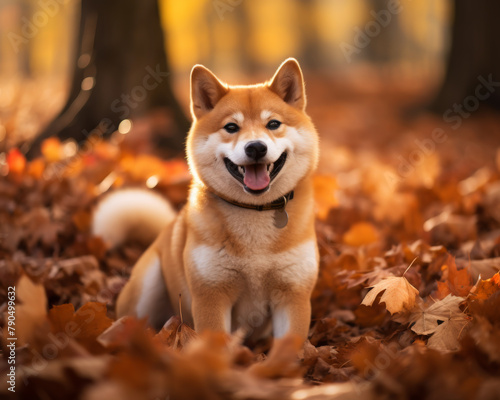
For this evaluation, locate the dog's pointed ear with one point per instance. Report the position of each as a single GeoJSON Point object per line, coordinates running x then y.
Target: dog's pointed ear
{"type": "Point", "coordinates": [288, 83]}
{"type": "Point", "coordinates": [206, 91]}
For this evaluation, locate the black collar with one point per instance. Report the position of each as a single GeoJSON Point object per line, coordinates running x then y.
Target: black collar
{"type": "Point", "coordinates": [278, 204]}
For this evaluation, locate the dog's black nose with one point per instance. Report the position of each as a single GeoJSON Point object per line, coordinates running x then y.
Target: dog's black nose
{"type": "Point", "coordinates": [256, 149]}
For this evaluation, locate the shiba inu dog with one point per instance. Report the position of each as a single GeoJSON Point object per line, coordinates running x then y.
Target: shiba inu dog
{"type": "Point", "coordinates": [242, 252]}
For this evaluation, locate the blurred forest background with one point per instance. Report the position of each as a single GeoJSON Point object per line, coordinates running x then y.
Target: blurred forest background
{"type": "Point", "coordinates": [405, 95]}
{"type": "Point", "coordinates": [356, 45]}
{"type": "Point", "coordinates": [239, 36]}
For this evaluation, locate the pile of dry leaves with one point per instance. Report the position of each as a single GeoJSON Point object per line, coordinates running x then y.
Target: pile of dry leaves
{"type": "Point", "coordinates": [407, 303]}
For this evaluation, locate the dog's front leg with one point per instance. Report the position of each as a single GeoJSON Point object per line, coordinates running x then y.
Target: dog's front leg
{"type": "Point", "coordinates": [212, 311]}
{"type": "Point", "coordinates": [292, 314]}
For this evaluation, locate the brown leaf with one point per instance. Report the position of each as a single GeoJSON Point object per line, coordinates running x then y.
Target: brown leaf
{"type": "Point", "coordinates": [367, 316]}
{"type": "Point", "coordinates": [482, 268]}
{"type": "Point", "coordinates": [119, 334]}
{"type": "Point", "coordinates": [485, 288]}
{"type": "Point", "coordinates": [447, 335]}
{"type": "Point", "coordinates": [168, 333]}
{"type": "Point", "coordinates": [398, 294]}
{"type": "Point", "coordinates": [427, 320]}
{"type": "Point", "coordinates": [369, 278]}
{"type": "Point", "coordinates": [360, 234]}
{"type": "Point", "coordinates": [183, 335]}
{"type": "Point", "coordinates": [84, 326]}
{"type": "Point", "coordinates": [456, 282]}
{"type": "Point", "coordinates": [282, 360]}
{"type": "Point", "coordinates": [60, 316]}
{"type": "Point", "coordinates": [30, 312]}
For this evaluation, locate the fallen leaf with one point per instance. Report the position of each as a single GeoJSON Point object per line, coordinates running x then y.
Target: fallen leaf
{"type": "Point", "coordinates": [16, 161]}
{"type": "Point", "coordinates": [60, 316]}
{"type": "Point", "coordinates": [398, 294]}
{"type": "Point", "coordinates": [484, 268]}
{"type": "Point", "coordinates": [427, 320]}
{"type": "Point", "coordinates": [85, 325]}
{"type": "Point", "coordinates": [456, 282]}
{"type": "Point", "coordinates": [120, 332]}
{"type": "Point", "coordinates": [369, 278]}
{"type": "Point", "coordinates": [30, 312]}
{"type": "Point", "coordinates": [485, 288]}
{"type": "Point", "coordinates": [183, 335]}
{"type": "Point", "coordinates": [360, 234]}
{"type": "Point", "coordinates": [168, 333]}
{"type": "Point", "coordinates": [447, 335]}
{"type": "Point", "coordinates": [52, 150]}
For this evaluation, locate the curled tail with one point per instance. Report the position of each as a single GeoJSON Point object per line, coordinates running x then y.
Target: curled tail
{"type": "Point", "coordinates": [136, 214]}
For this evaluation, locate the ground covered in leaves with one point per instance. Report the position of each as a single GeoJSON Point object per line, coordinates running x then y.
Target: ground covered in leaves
{"type": "Point", "coordinates": [407, 303]}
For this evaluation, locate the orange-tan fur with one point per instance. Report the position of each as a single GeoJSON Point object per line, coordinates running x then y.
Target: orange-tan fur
{"type": "Point", "coordinates": [232, 266]}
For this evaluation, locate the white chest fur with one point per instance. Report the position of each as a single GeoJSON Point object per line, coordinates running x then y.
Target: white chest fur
{"type": "Point", "coordinates": [259, 276]}
{"type": "Point", "coordinates": [297, 265]}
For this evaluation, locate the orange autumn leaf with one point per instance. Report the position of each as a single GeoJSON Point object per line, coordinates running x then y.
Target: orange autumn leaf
{"type": "Point", "coordinates": [36, 168]}
{"type": "Point", "coordinates": [82, 220]}
{"type": "Point", "coordinates": [361, 233]}
{"type": "Point", "coordinates": [16, 161]}
{"type": "Point", "coordinates": [485, 288]}
{"type": "Point", "coordinates": [324, 194]}
{"type": "Point", "coordinates": [142, 167]}
{"type": "Point", "coordinates": [175, 171]}
{"type": "Point", "coordinates": [122, 332]}
{"type": "Point", "coordinates": [168, 333]}
{"type": "Point", "coordinates": [52, 149]}
{"type": "Point", "coordinates": [442, 291]}
{"type": "Point", "coordinates": [456, 282]}
{"type": "Point", "coordinates": [84, 325]}
{"type": "Point", "coordinates": [60, 316]}
{"type": "Point", "coordinates": [397, 294]}
{"type": "Point", "coordinates": [104, 150]}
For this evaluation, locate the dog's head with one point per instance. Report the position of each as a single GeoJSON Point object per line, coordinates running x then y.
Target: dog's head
{"type": "Point", "coordinates": [254, 143]}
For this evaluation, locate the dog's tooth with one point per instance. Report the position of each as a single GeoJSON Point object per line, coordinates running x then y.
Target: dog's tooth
{"type": "Point", "coordinates": [270, 167]}
{"type": "Point", "coordinates": [241, 170]}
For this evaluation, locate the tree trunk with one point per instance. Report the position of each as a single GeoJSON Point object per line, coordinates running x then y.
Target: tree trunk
{"type": "Point", "coordinates": [475, 52]}
{"type": "Point", "coordinates": [120, 72]}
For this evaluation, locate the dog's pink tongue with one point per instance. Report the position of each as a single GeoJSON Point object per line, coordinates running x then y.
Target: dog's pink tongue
{"type": "Point", "coordinates": [256, 176]}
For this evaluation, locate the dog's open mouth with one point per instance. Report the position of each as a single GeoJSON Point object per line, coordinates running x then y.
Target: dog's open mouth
{"type": "Point", "coordinates": [255, 177]}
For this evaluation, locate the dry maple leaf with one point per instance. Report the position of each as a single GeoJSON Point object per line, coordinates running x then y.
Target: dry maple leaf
{"type": "Point", "coordinates": [168, 333]}
{"type": "Point", "coordinates": [485, 288]}
{"type": "Point", "coordinates": [360, 234]}
{"type": "Point", "coordinates": [183, 335]}
{"type": "Point", "coordinates": [369, 278]}
{"type": "Point", "coordinates": [447, 335]}
{"type": "Point", "coordinates": [427, 320]}
{"type": "Point", "coordinates": [85, 325]}
{"type": "Point", "coordinates": [481, 268]}
{"type": "Point", "coordinates": [31, 311]}
{"type": "Point", "coordinates": [457, 282]}
{"type": "Point", "coordinates": [398, 294]}
{"type": "Point", "coordinates": [119, 334]}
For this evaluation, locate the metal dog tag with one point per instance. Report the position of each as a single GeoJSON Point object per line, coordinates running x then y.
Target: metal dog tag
{"type": "Point", "coordinates": [280, 218]}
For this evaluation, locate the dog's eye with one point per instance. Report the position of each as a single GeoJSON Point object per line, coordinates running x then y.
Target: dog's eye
{"type": "Point", "coordinates": [231, 127]}
{"type": "Point", "coordinates": [273, 124]}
